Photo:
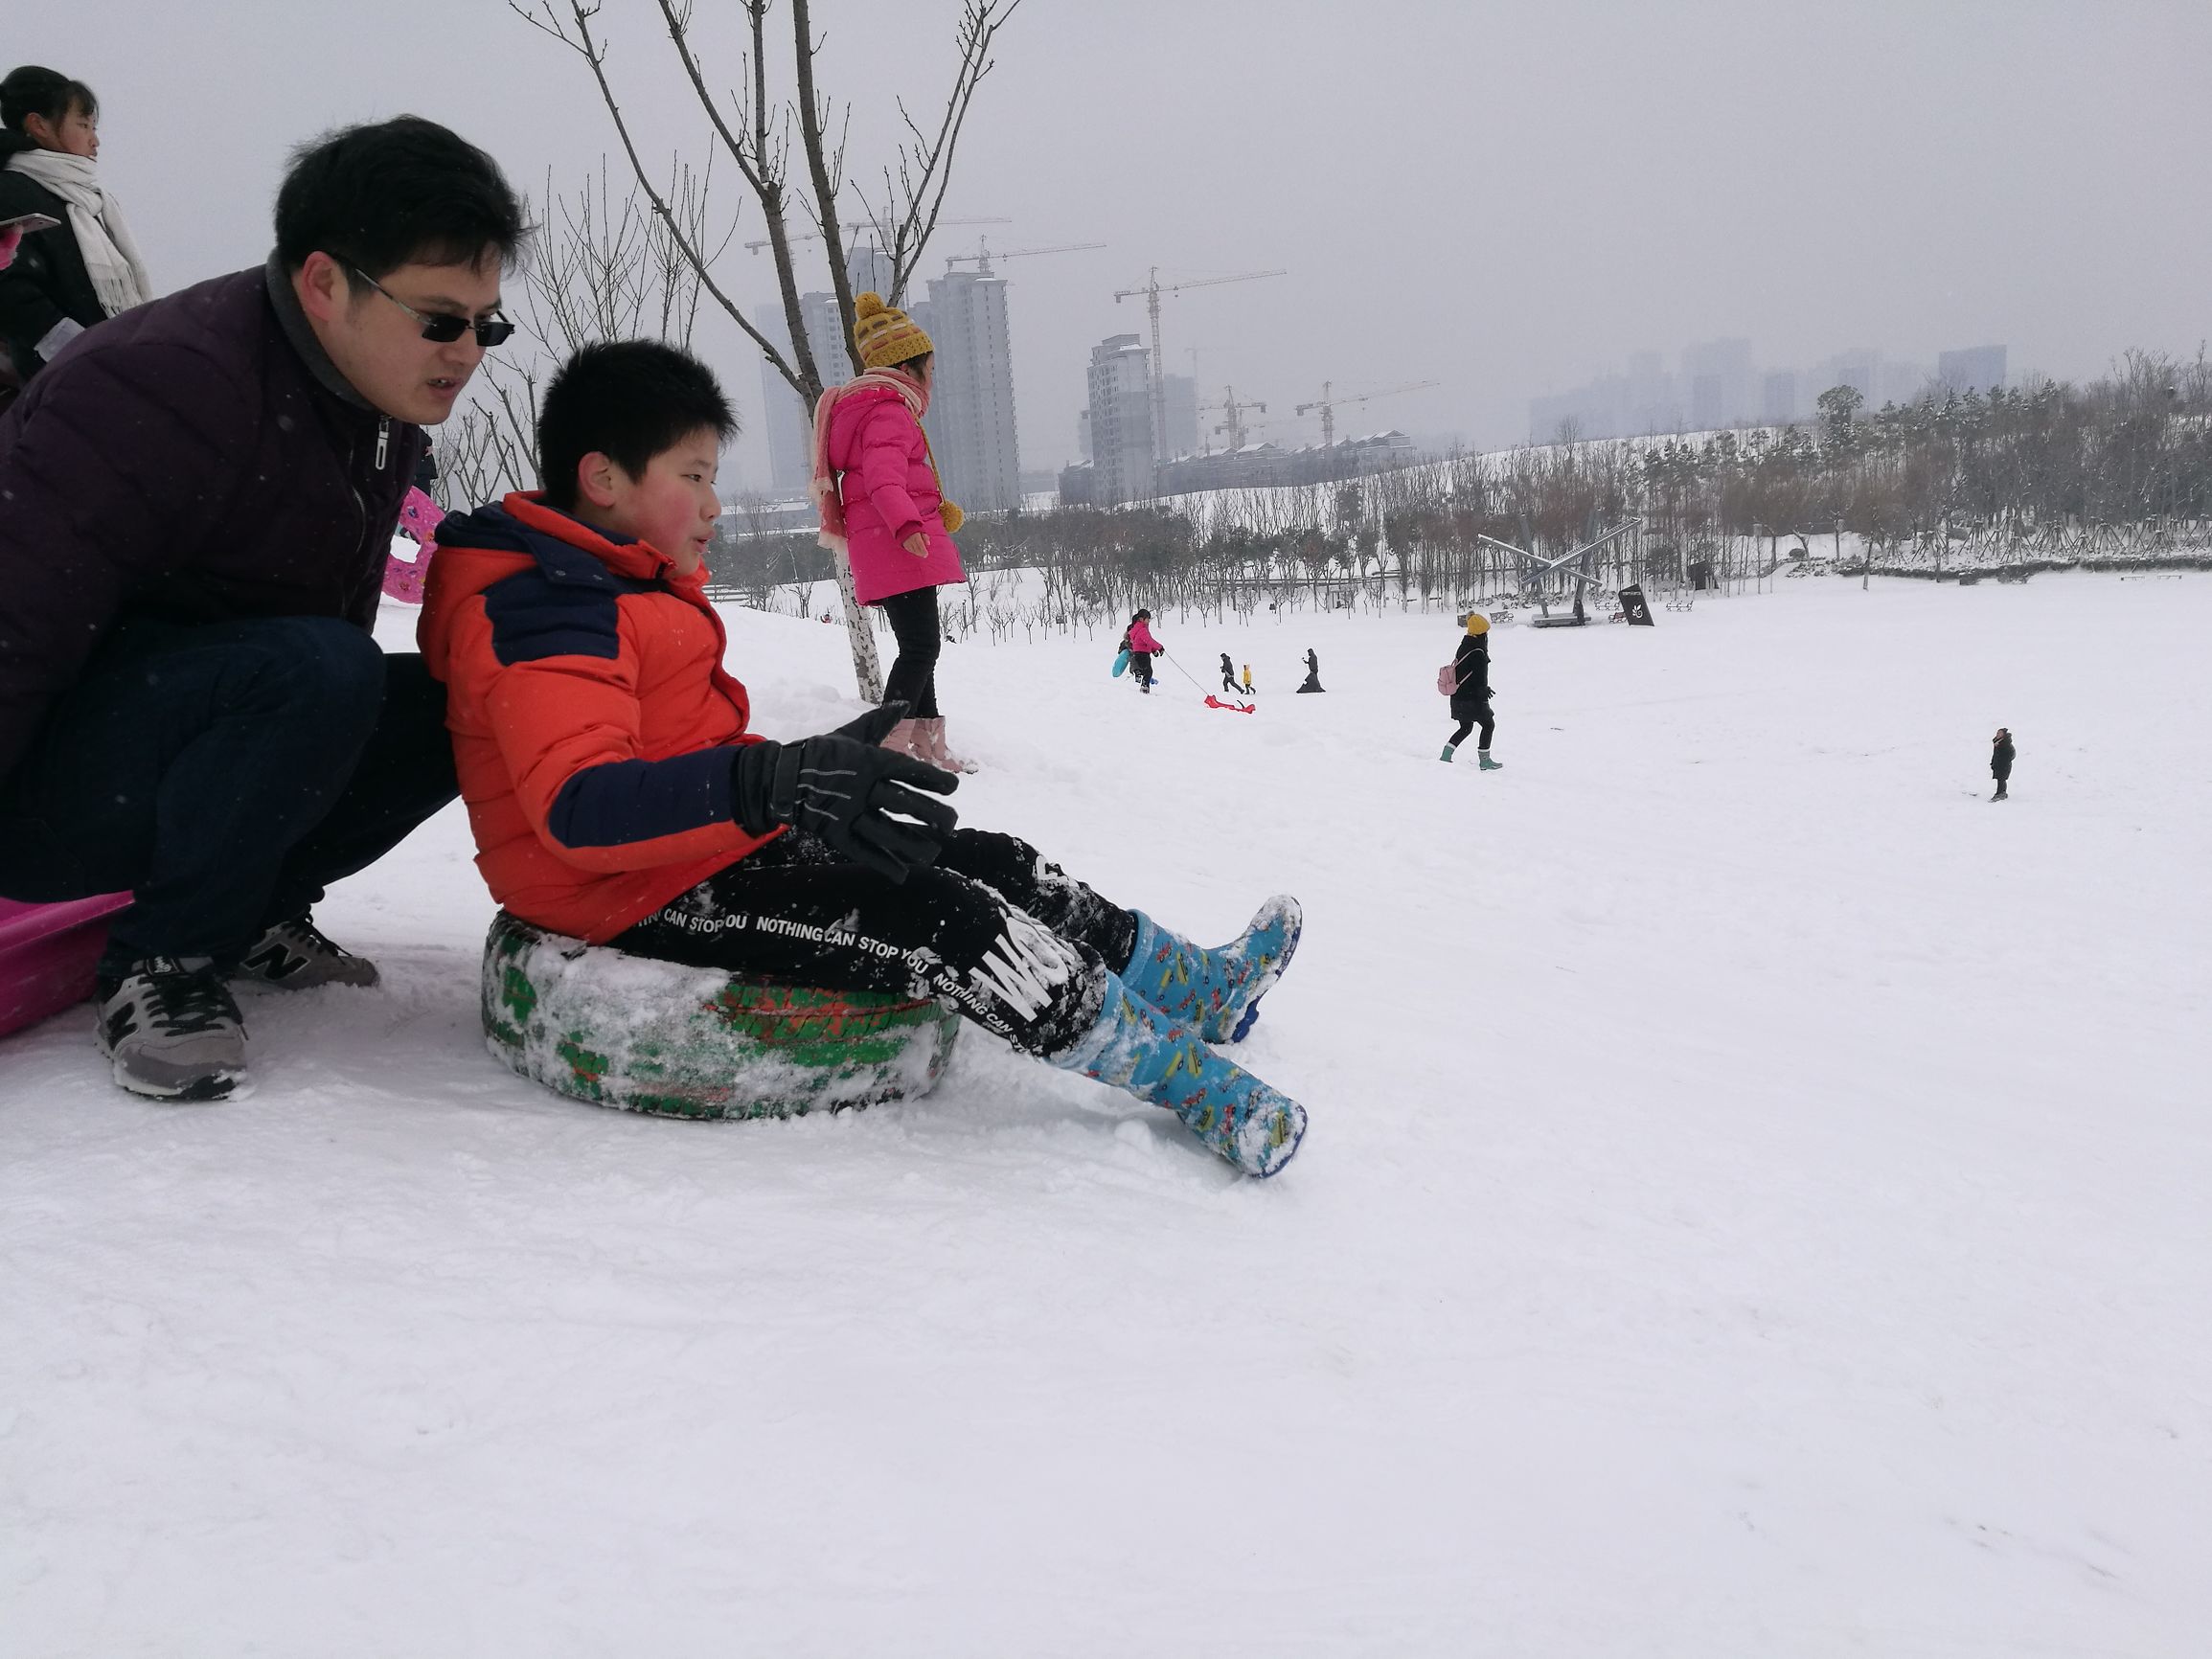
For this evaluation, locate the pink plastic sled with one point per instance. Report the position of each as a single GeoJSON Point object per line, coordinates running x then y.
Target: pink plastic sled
{"type": "Point", "coordinates": [47, 955]}
{"type": "Point", "coordinates": [419, 519]}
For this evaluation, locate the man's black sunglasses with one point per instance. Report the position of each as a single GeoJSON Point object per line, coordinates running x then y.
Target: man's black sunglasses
{"type": "Point", "coordinates": [443, 327]}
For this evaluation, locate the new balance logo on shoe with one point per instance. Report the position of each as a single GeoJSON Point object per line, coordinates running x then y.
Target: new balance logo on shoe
{"type": "Point", "coordinates": [295, 956]}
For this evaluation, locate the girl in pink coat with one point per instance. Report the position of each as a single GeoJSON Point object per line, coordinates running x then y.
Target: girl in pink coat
{"type": "Point", "coordinates": [1142, 648]}
{"type": "Point", "coordinates": [882, 502]}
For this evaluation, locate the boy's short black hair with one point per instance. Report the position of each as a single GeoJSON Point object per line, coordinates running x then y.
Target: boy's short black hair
{"type": "Point", "coordinates": [393, 193]}
{"type": "Point", "coordinates": [629, 401]}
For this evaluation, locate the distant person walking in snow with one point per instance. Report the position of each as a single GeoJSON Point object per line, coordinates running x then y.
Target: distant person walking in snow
{"type": "Point", "coordinates": [85, 268]}
{"type": "Point", "coordinates": [1250, 690]}
{"type": "Point", "coordinates": [1228, 675]}
{"type": "Point", "coordinates": [1143, 648]}
{"type": "Point", "coordinates": [1471, 690]}
{"type": "Point", "coordinates": [1312, 672]}
{"type": "Point", "coordinates": [2001, 761]}
{"type": "Point", "coordinates": [877, 484]}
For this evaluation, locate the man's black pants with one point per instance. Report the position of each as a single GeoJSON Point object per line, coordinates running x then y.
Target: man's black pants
{"type": "Point", "coordinates": [222, 774]}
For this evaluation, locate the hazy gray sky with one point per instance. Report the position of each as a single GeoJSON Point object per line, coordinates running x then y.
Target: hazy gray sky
{"type": "Point", "coordinates": [1506, 196]}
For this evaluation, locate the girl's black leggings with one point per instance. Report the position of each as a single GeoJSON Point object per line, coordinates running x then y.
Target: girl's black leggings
{"type": "Point", "coordinates": [913, 676]}
{"type": "Point", "coordinates": [1017, 943]}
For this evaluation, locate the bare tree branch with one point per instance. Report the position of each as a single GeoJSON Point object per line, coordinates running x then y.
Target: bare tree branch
{"type": "Point", "coordinates": [812, 114]}
{"type": "Point", "coordinates": [908, 216]}
{"type": "Point", "coordinates": [594, 56]}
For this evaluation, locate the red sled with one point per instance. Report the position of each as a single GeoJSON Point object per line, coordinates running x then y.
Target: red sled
{"type": "Point", "coordinates": [1213, 702]}
{"type": "Point", "coordinates": [47, 955]}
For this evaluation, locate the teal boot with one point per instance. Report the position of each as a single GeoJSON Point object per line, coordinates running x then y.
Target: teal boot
{"type": "Point", "coordinates": [1136, 1047]}
{"type": "Point", "coordinates": [1448, 749]}
{"type": "Point", "coordinates": [1488, 764]}
{"type": "Point", "coordinates": [1219, 989]}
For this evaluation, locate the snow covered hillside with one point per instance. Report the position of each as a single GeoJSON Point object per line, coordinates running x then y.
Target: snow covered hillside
{"type": "Point", "coordinates": [1755, 1205]}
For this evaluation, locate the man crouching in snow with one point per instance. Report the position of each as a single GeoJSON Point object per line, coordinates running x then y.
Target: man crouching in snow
{"type": "Point", "coordinates": [616, 794]}
{"type": "Point", "coordinates": [200, 498]}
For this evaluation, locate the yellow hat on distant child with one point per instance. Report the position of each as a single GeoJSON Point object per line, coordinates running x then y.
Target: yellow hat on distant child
{"type": "Point", "coordinates": [884, 335]}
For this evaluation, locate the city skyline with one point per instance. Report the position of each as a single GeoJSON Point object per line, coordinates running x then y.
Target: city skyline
{"type": "Point", "coordinates": [1720, 383]}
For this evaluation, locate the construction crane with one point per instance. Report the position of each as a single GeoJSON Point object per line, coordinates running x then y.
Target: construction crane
{"type": "Point", "coordinates": [1233, 412]}
{"type": "Point", "coordinates": [1328, 404]}
{"type": "Point", "coordinates": [1152, 291]}
{"type": "Point", "coordinates": [861, 230]}
{"type": "Point", "coordinates": [983, 256]}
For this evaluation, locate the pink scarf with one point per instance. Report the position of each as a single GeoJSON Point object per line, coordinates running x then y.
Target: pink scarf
{"type": "Point", "coordinates": [821, 485]}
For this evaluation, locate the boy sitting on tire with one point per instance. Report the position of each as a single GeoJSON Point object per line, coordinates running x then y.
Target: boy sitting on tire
{"type": "Point", "coordinates": [617, 794]}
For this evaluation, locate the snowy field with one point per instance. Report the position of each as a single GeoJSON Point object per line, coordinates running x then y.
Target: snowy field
{"type": "Point", "coordinates": [1755, 1206]}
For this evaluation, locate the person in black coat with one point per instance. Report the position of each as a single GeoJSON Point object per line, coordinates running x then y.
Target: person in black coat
{"type": "Point", "coordinates": [1228, 675]}
{"type": "Point", "coordinates": [2001, 761]}
{"type": "Point", "coordinates": [50, 293]}
{"type": "Point", "coordinates": [1312, 672]}
{"type": "Point", "coordinates": [1470, 694]}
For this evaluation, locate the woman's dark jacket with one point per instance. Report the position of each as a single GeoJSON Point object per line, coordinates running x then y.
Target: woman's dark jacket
{"type": "Point", "coordinates": [1470, 666]}
{"type": "Point", "coordinates": [47, 282]}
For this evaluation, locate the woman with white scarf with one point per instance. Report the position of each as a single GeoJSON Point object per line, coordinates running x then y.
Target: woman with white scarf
{"type": "Point", "coordinates": [86, 268]}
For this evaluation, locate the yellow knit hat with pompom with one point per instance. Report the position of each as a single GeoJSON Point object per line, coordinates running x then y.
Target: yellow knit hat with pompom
{"type": "Point", "coordinates": [884, 335]}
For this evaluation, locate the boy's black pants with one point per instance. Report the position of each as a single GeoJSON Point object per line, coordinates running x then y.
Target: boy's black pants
{"type": "Point", "coordinates": [222, 774]}
{"type": "Point", "coordinates": [1017, 944]}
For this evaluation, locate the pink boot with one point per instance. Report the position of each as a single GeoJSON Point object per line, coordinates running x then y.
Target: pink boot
{"type": "Point", "coordinates": [906, 739]}
{"type": "Point", "coordinates": [940, 754]}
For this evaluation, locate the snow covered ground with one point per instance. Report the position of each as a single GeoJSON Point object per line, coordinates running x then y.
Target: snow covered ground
{"type": "Point", "coordinates": [1755, 1205]}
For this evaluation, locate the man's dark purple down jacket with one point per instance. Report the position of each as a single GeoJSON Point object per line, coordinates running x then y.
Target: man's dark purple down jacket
{"type": "Point", "coordinates": [200, 458]}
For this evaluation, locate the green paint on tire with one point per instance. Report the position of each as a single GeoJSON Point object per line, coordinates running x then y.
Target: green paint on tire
{"type": "Point", "coordinates": [620, 1031]}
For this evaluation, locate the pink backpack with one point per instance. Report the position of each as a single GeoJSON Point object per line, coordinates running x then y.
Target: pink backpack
{"type": "Point", "coordinates": [1447, 679]}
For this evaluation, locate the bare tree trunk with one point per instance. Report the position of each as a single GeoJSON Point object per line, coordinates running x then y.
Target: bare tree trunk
{"type": "Point", "coordinates": [821, 171]}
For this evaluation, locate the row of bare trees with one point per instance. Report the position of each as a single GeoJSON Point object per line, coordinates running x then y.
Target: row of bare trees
{"type": "Point", "coordinates": [2119, 470]}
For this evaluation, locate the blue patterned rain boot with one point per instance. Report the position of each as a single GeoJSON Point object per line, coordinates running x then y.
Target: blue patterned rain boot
{"type": "Point", "coordinates": [1136, 1047]}
{"type": "Point", "coordinates": [1221, 989]}
{"type": "Point", "coordinates": [1446, 755]}
{"type": "Point", "coordinates": [1488, 764]}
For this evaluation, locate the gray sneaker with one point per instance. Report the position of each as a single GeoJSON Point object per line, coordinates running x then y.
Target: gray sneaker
{"type": "Point", "coordinates": [294, 956]}
{"type": "Point", "coordinates": [172, 1029]}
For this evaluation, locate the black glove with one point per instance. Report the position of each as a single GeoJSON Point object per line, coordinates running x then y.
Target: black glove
{"type": "Point", "coordinates": [844, 788]}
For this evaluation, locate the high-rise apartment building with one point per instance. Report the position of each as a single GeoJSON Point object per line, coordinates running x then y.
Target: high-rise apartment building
{"type": "Point", "coordinates": [1974, 369]}
{"type": "Point", "coordinates": [1778, 397]}
{"type": "Point", "coordinates": [1121, 421]}
{"type": "Point", "coordinates": [1179, 394]}
{"type": "Point", "coordinates": [1718, 374]}
{"type": "Point", "coordinates": [971, 403]}
{"type": "Point", "coordinates": [790, 422]}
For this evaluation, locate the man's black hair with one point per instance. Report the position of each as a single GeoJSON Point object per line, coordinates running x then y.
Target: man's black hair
{"type": "Point", "coordinates": [394, 192]}
{"type": "Point", "coordinates": [629, 401]}
{"type": "Point", "coordinates": [34, 90]}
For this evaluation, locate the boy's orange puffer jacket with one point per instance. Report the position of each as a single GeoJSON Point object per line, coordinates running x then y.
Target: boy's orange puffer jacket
{"type": "Point", "coordinates": [591, 717]}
